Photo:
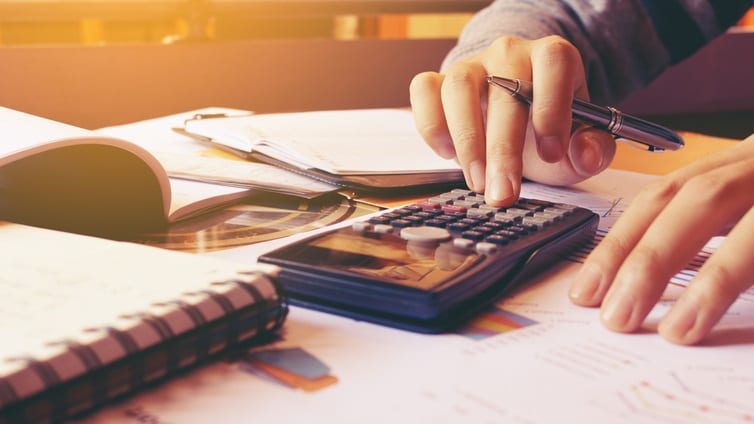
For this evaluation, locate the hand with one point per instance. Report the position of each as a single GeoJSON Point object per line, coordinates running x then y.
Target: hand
{"type": "Point", "coordinates": [662, 230]}
{"type": "Point", "coordinates": [486, 129]}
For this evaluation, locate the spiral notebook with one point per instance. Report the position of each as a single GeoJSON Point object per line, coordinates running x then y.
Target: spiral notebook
{"type": "Point", "coordinates": [85, 320]}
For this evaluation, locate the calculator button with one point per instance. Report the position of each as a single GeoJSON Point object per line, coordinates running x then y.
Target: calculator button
{"type": "Point", "coordinates": [361, 227]}
{"type": "Point", "coordinates": [508, 234]}
{"type": "Point", "coordinates": [490, 208]}
{"type": "Point", "coordinates": [439, 223]}
{"type": "Point", "coordinates": [494, 226]}
{"type": "Point", "coordinates": [425, 234]}
{"type": "Point", "coordinates": [517, 211]}
{"type": "Point", "coordinates": [461, 192]}
{"type": "Point", "coordinates": [471, 221]}
{"type": "Point", "coordinates": [379, 220]}
{"type": "Point", "coordinates": [414, 220]}
{"type": "Point", "coordinates": [466, 204]}
{"type": "Point", "coordinates": [519, 229]}
{"type": "Point", "coordinates": [447, 218]}
{"type": "Point", "coordinates": [383, 229]}
{"type": "Point", "coordinates": [463, 243]}
{"type": "Point", "coordinates": [561, 212]}
{"type": "Point", "coordinates": [413, 208]}
{"type": "Point", "coordinates": [527, 206]}
{"type": "Point", "coordinates": [535, 222]}
{"type": "Point", "coordinates": [499, 240]}
{"type": "Point", "coordinates": [424, 215]}
{"type": "Point", "coordinates": [479, 213]}
{"type": "Point", "coordinates": [427, 205]}
{"type": "Point", "coordinates": [453, 208]}
{"type": "Point", "coordinates": [455, 215]}
{"type": "Point", "coordinates": [391, 215]}
{"type": "Point", "coordinates": [440, 200]}
{"type": "Point", "coordinates": [401, 223]}
{"type": "Point", "coordinates": [458, 227]}
{"type": "Point", "coordinates": [483, 229]}
{"type": "Point", "coordinates": [506, 217]}
{"type": "Point", "coordinates": [403, 212]}
{"type": "Point", "coordinates": [548, 216]}
{"type": "Point", "coordinates": [486, 248]}
{"type": "Point", "coordinates": [472, 235]}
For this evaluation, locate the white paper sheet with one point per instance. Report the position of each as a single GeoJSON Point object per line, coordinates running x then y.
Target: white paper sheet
{"type": "Point", "coordinates": [554, 362]}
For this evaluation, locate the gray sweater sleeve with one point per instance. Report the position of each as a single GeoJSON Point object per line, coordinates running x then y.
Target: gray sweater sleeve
{"type": "Point", "coordinates": [624, 44]}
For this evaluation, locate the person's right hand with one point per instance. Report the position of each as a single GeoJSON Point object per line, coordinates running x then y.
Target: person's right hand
{"type": "Point", "coordinates": [486, 128]}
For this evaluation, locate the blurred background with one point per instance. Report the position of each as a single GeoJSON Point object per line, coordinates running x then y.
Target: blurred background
{"type": "Point", "coordinates": [102, 62]}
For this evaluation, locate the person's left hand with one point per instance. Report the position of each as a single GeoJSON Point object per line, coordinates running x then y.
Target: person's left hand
{"type": "Point", "coordinates": [662, 230]}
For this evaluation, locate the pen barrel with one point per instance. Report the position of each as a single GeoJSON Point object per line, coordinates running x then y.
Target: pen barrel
{"type": "Point", "coordinates": [649, 133]}
{"type": "Point", "coordinates": [626, 126]}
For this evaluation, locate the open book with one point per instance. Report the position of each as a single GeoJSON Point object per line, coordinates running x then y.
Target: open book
{"type": "Point", "coordinates": [59, 176]}
{"type": "Point", "coordinates": [85, 320]}
{"type": "Point", "coordinates": [364, 149]}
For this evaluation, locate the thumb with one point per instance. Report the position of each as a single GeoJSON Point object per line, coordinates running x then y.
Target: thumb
{"type": "Point", "coordinates": [591, 150]}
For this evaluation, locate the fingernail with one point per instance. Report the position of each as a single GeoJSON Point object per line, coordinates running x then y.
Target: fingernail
{"type": "Point", "coordinates": [617, 311]}
{"type": "Point", "coordinates": [499, 190]}
{"type": "Point", "coordinates": [680, 321]}
{"type": "Point", "coordinates": [591, 158]}
{"type": "Point", "coordinates": [586, 284]}
{"type": "Point", "coordinates": [476, 172]}
{"type": "Point", "coordinates": [550, 148]}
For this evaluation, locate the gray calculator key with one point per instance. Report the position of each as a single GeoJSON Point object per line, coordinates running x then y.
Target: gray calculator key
{"type": "Point", "coordinates": [383, 229]}
{"type": "Point", "coordinates": [361, 227]}
{"type": "Point", "coordinates": [463, 243]}
{"type": "Point", "coordinates": [486, 248]}
{"type": "Point", "coordinates": [535, 222]}
{"type": "Point", "coordinates": [465, 204]}
{"type": "Point", "coordinates": [505, 217]}
{"type": "Point", "coordinates": [441, 200]}
{"type": "Point", "coordinates": [425, 234]}
{"type": "Point", "coordinates": [478, 213]}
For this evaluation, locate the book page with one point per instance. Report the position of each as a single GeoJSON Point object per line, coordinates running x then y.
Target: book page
{"type": "Point", "coordinates": [346, 142]}
{"type": "Point", "coordinates": [56, 284]}
{"type": "Point", "coordinates": [186, 158]}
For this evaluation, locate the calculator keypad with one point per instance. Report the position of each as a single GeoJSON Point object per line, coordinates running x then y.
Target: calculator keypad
{"type": "Point", "coordinates": [462, 215]}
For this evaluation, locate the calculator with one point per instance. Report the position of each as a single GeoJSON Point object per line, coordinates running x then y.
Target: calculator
{"type": "Point", "coordinates": [432, 265]}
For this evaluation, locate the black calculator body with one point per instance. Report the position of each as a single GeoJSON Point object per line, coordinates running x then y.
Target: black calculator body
{"type": "Point", "coordinates": [430, 266]}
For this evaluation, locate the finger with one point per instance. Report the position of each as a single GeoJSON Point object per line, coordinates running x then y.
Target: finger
{"type": "Point", "coordinates": [429, 117]}
{"type": "Point", "coordinates": [461, 93]}
{"type": "Point", "coordinates": [557, 74]}
{"type": "Point", "coordinates": [590, 151]}
{"type": "Point", "coordinates": [507, 119]}
{"type": "Point", "coordinates": [673, 239]}
{"type": "Point", "coordinates": [722, 278]}
{"type": "Point", "coordinates": [593, 279]}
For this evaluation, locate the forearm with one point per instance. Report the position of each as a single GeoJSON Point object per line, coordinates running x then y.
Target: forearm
{"type": "Point", "coordinates": [624, 44]}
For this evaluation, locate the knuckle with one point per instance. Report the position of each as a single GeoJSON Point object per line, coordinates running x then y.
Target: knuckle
{"type": "Point", "coordinates": [645, 260]}
{"type": "Point", "coordinates": [554, 50]}
{"type": "Point", "coordinates": [422, 81]}
{"type": "Point", "coordinates": [707, 188]}
{"type": "Point", "coordinates": [660, 191]}
{"type": "Point", "coordinates": [721, 287]}
{"type": "Point", "coordinates": [505, 44]}
{"type": "Point", "coordinates": [614, 247]}
{"type": "Point", "coordinates": [460, 75]}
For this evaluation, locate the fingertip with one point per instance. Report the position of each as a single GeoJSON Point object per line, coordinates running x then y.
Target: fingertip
{"type": "Point", "coordinates": [585, 286]}
{"type": "Point", "coordinates": [617, 313]}
{"type": "Point", "coordinates": [681, 324]}
{"type": "Point", "coordinates": [501, 191]}
{"type": "Point", "coordinates": [591, 151]}
{"type": "Point", "coordinates": [550, 148]}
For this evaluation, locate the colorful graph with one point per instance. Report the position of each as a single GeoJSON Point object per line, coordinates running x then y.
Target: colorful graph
{"type": "Point", "coordinates": [494, 322]}
{"type": "Point", "coordinates": [294, 367]}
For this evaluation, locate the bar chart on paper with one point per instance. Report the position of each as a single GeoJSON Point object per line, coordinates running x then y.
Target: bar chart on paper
{"type": "Point", "coordinates": [493, 322]}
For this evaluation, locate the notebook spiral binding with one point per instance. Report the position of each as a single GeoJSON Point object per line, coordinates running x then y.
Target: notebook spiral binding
{"type": "Point", "coordinates": [138, 367]}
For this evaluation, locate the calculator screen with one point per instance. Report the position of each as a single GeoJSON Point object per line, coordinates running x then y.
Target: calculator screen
{"type": "Point", "coordinates": [384, 257]}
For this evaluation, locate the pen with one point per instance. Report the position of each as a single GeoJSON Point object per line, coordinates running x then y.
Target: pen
{"type": "Point", "coordinates": [622, 125]}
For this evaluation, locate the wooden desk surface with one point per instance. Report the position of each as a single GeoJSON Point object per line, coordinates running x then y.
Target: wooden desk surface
{"type": "Point", "coordinates": [697, 146]}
